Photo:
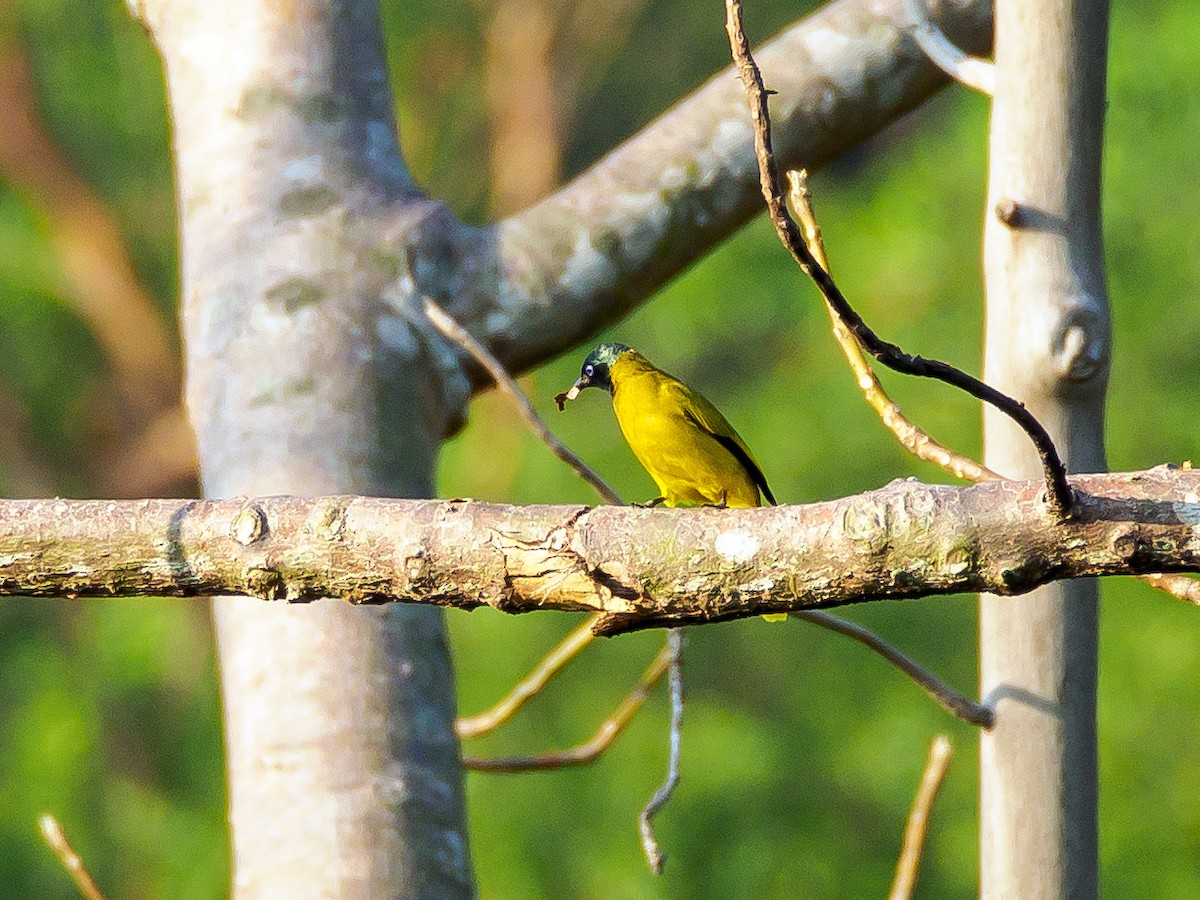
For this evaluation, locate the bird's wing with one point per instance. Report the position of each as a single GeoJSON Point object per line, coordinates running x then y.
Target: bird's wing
{"type": "Point", "coordinates": [708, 419]}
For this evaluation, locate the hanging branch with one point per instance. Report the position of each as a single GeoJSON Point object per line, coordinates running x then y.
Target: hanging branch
{"type": "Point", "coordinates": [947, 697]}
{"type": "Point", "coordinates": [654, 855]}
{"type": "Point", "coordinates": [1058, 490]}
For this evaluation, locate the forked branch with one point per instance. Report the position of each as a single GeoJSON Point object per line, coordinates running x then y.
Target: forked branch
{"type": "Point", "coordinates": [588, 751]}
{"type": "Point", "coordinates": [1058, 490]}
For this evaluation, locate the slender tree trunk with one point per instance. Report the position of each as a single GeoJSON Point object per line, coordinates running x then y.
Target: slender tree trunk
{"type": "Point", "coordinates": [1048, 345]}
{"type": "Point", "coordinates": [304, 378]}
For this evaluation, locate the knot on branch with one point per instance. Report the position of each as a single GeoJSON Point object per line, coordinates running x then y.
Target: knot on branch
{"type": "Point", "coordinates": [1080, 345]}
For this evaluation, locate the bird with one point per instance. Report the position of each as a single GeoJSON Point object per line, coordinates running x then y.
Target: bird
{"type": "Point", "coordinates": [690, 450]}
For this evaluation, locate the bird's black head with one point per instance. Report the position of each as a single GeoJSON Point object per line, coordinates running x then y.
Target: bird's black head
{"type": "Point", "coordinates": [595, 371]}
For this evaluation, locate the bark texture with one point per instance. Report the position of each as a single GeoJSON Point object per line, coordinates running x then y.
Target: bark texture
{"type": "Point", "coordinates": [303, 378]}
{"type": "Point", "coordinates": [587, 254]}
{"type": "Point", "coordinates": [306, 253]}
{"type": "Point", "coordinates": [648, 567]}
{"type": "Point", "coordinates": [1047, 345]}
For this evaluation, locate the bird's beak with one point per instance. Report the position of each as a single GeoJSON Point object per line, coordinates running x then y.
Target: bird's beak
{"type": "Point", "coordinates": [577, 387]}
{"type": "Point", "coordinates": [561, 399]}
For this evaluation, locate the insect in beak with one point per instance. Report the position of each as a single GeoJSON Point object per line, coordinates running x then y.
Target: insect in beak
{"type": "Point", "coordinates": [561, 399]}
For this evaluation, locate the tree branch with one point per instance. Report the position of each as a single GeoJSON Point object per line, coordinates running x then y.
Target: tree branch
{"type": "Point", "coordinates": [1058, 491]}
{"type": "Point", "coordinates": [56, 839]}
{"type": "Point", "coordinates": [946, 696]}
{"type": "Point", "coordinates": [967, 70]}
{"type": "Point", "coordinates": [911, 437]}
{"type": "Point", "coordinates": [586, 255]}
{"type": "Point", "coordinates": [646, 568]}
{"type": "Point", "coordinates": [452, 330]}
{"type": "Point", "coordinates": [650, 847]}
{"type": "Point", "coordinates": [529, 686]}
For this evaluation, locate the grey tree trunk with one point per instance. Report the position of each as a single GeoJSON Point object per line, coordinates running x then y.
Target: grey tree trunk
{"type": "Point", "coordinates": [1047, 345]}
{"type": "Point", "coordinates": [343, 764]}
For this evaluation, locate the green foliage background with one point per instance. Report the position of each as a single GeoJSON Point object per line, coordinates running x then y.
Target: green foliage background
{"type": "Point", "coordinates": [801, 750]}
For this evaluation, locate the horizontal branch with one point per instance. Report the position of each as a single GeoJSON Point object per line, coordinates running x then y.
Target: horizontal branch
{"type": "Point", "coordinates": [643, 567]}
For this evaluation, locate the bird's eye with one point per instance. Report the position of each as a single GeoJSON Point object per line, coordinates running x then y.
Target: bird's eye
{"type": "Point", "coordinates": [589, 370]}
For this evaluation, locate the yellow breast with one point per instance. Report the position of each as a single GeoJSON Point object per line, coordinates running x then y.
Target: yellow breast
{"type": "Point", "coordinates": [660, 416]}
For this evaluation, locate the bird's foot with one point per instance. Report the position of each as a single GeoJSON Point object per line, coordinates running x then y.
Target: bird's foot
{"type": "Point", "coordinates": [721, 505]}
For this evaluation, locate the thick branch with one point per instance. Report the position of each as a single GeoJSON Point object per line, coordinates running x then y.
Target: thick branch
{"type": "Point", "coordinates": [589, 253]}
{"type": "Point", "coordinates": [645, 567]}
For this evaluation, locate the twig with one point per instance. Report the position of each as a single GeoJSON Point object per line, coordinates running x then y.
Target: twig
{"type": "Point", "coordinates": [909, 862]}
{"type": "Point", "coordinates": [967, 70]}
{"type": "Point", "coordinates": [551, 664]}
{"type": "Point", "coordinates": [654, 855]}
{"type": "Point", "coordinates": [1179, 586]}
{"type": "Point", "coordinates": [600, 741]}
{"type": "Point", "coordinates": [53, 835]}
{"type": "Point", "coordinates": [446, 324]}
{"type": "Point", "coordinates": [910, 436]}
{"type": "Point", "coordinates": [1058, 490]}
{"type": "Point", "coordinates": [946, 696]}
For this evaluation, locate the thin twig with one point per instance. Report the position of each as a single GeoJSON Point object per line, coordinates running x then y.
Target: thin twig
{"type": "Point", "coordinates": [586, 752]}
{"type": "Point", "coordinates": [53, 835]}
{"type": "Point", "coordinates": [909, 862]}
{"type": "Point", "coordinates": [1179, 586]}
{"type": "Point", "coordinates": [946, 696]}
{"type": "Point", "coordinates": [654, 855]}
{"type": "Point", "coordinates": [449, 327]}
{"type": "Point", "coordinates": [1058, 490]}
{"type": "Point", "coordinates": [910, 436]}
{"type": "Point", "coordinates": [530, 685]}
{"type": "Point", "coordinates": [967, 70]}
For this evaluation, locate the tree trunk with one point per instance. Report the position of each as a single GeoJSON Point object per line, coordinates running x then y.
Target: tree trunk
{"type": "Point", "coordinates": [343, 763]}
{"type": "Point", "coordinates": [306, 249]}
{"type": "Point", "coordinates": [1047, 345]}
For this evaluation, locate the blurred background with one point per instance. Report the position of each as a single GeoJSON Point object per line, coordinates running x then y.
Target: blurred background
{"type": "Point", "coordinates": [801, 750]}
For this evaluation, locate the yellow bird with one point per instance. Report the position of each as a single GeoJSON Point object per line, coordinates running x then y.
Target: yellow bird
{"type": "Point", "coordinates": [690, 450]}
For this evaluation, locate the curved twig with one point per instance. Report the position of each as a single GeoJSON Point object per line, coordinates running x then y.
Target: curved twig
{"type": "Point", "coordinates": [56, 839]}
{"type": "Point", "coordinates": [449, 328]}
{"type": "Point", "coordinates": [529, 686]}
{"type": "Point", "coordinates": [1058, 490]}
{"type": "Point", "coordinates": [911, 436]}
{"type": "Point", "coordinates": [947, 697]}
{"type": "Point", "coordinates": [586, 752]}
